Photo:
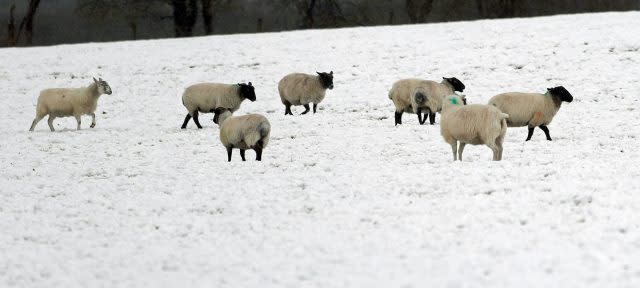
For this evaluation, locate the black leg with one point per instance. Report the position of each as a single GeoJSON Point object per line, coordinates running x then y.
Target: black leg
{"type": "Point", "coordinates": [195, 119]}
{"type": "Point", "coordinates": [229, 153]}
{"type": "Point", "coordinates": [186, 120]}
{"type": "Point", "coordinates": [530, 133]}
{"type": "Point", "coordinates": [432, 117]}
{"type": "Point", "coordinates": [258, 150]}
{"type": "Point", "coordinates": [315, 107]}
{"type": "Point", "coordinates": [242, 155]}
{"type": "Point", "coordinates": [546, 131]}
{"type": "Point", "coordinates": [306, 109]}
{"type": "Point", "coordinates": [419, 112]}
{"type": "Point", "coordinates": [398, 118]}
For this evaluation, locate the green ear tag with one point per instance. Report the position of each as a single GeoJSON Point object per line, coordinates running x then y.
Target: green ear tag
{"type": "Point", "coordinates": [454, 101]}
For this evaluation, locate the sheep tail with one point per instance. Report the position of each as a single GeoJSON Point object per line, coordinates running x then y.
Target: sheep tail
{"type": "Point", "coordinates": [504, 115]}
{"type": "Point", "coordinates": [419, 97]}
{"type": "Point", "coordinates": [264, 129]}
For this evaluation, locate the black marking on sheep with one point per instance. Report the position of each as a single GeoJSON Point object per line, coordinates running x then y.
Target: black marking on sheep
{"type": "Point", "coordinates": [247, 91]}
{"type": "Point", "coordinates": [561, 93]}
{"type": "Point", "coordinates": [326, 79]}
{"type": "Point", "coordinates": [457, 84]}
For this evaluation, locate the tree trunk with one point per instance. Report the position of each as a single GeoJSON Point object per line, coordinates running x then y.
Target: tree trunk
{"type": "Point", "coordinates": [11, 28]}
{"type": "Point", "coordinates": [134, 30]}
{"type": "Point", "coordinates": [308, 21]}
{"type": "Point", "coordinates": [418, 10]}
{"type": "Point", "coordinates": [207, 17]}
{"type": "Point", "coordinates": [184, 16]}
{"type": "Point", "coordinates": [27, 22]}
{"type": "Point", "coordinates": [259, 25]}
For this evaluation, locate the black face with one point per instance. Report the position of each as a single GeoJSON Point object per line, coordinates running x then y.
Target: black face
{"type": "Point", "coordinates": [216, 115]}
{"type": "Point", "coordinates": [561, 93]}
{"type": "Point", "coordinates": [457, 84]}
{"type": "Point", "coordinates": [247, 91]}
{"type": "Point", "coordinates": [326, 79]}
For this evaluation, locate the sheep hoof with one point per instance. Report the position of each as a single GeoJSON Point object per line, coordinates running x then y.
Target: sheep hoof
{"type": "Point", "coordinates": [92, 126]}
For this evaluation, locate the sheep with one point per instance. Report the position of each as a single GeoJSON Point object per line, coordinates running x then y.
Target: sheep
{"type": "Point", "coordinates": [414, 95]}
{"type": "Point", "coordinates": [243, 132]}
{"type": "Point", "coordinates": [66, 102]}
{"type": "Point", "coordinates": [205, 97]}
{"type": "Point", "coordinates": [532, 109]}
{"type": "Point", "coordinates": [472, 124]}
{"type": "Point", "coordinates": [301, 89]}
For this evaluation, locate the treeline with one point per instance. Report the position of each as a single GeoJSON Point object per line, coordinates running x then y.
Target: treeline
{"type": "Point", "coordinates": [107, 20]}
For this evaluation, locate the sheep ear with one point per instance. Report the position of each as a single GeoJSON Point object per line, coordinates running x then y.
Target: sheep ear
{"type": "Point", "coordinates": [318, 73]}
{"type": "Point", "coordinates": [331, 73]}
{"type": "Point", "coordinates": [250, 84]}
{"type": "Point", "coordinates": [94, 80]}
{"type": "Point", "coordinates": [100, 79]}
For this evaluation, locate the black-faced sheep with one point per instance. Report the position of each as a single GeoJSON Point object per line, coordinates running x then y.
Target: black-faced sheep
{"type": "Point", "coordinates": [417, 95]}
{"type": "Point", "coordinates": [242, 132]}
{"type": "Point", "coordinates": [206, 97]}
{"type": "Point", "coordinates": [532, 109]}
{"type": "Point", "coordinates": [472, 124]}
{"type": "Point", "coordinates": [301, 89]}
{"type": "Point", "coordinates": [66, 102]}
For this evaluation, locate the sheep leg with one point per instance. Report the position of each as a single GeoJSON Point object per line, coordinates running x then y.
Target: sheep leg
{"type": "Point", "coordinates": [546, 131]}
{"type": "Point", "coordinates": [398, 118]}
{"type": "Point", "coordinates": [79, 120]}
{"type": "Point", "coordinates": [496, 151]}
{"type": "Point", "coordinates": [306, 109]}
{"type": "Point", "coordinates": [460, 150]}
{"type": "Point", "coordinates": [432, 117]}
{"type": "Point", "coordinates": [419, 112]}
{"type": "Point", "coordinates": [229, 154]}
{"type": "Point", "coordinates": [287, 108]}
{"type": "Point", "coordinates": [258, 149]}
{"type": "Point", "coordinates": [93, 120]}
{"type": "Point", "coordinates": [186, 120]}
{"type": "Point", "coordinates": [195, 119]}
{"type": "Point", "coordinates": [530, 133]}
{"type": "Point", "coordinates": [315, 107]}
{"type": "Point", "coordinates": [242, 155]}
{"type": "Point", "coordinates": [35, 121]}
{"type": "Point", "coordinates": [454, 149]}
{"type": "Point", "coordinates": [50, 122]}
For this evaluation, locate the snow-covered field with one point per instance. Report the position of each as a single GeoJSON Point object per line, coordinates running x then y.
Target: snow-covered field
{"type": "Point", "coordinates": [342, 198]}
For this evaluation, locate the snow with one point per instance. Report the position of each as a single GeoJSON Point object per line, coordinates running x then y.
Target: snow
{"type": "Point", "coordinates": [342, 198]}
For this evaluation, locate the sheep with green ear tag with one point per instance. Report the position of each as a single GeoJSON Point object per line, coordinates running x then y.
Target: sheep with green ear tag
{"type": "Point", "coordinates": [472, 124]}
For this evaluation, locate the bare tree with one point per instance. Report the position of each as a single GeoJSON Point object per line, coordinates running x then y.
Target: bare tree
{"type": "Point", "coordinates": [132, 12]}
{"type": "Point", "coordinates": [209, 10]}
{"type": "Point", "coordinates": [418, 10]}
{"type": "Point", "coordinates": [26, 24]}
{"type": "Point", "coordinates": [11, 27]}
{"type": "Point", "coordinates": [185, 13]}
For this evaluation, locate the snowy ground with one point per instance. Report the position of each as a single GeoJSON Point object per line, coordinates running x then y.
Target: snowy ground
{"type": "Point", "coordinates": [342, 198]}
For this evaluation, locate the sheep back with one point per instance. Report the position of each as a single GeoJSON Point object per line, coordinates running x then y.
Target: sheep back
{"type": "Point", "coordinates": [245, 131]}
{"type": "Point", "coordinates": [525, 109]}
{"type": "Point", "coordinates": [204, 97]}
{"type": "Point", "coordinates": [301, 89]}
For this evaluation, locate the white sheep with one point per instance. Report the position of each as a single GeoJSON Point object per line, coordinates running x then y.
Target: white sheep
{"type": "Point", "coordinates": [429, 93]}
{"type": "Point", "coordinates": [472, 124]}
{"type": "Point", "coordinates": [301, 89]}
{"type": "Point", "coordinates": [532, 109]}
{"type": "Point", "coordinates": [243, 132]}
{"type": "Point", "coordinates": [206, 97]}
{"type": "Point", "coordinates": [66, 102]}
